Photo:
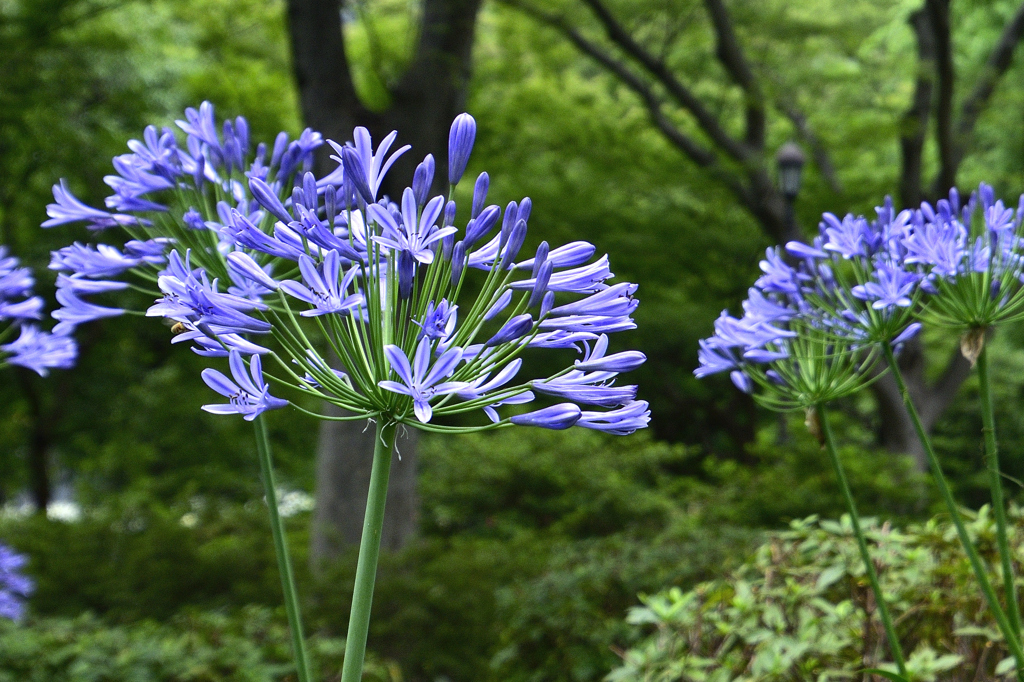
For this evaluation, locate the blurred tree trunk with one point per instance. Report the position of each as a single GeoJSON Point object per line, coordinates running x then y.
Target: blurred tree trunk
{"type": "Point", "coordinates": [39, 443]}
{"type": "Point", "coordinates": [423, 102]}
{"type": "Point", "coordinates": [342, 479]}
{"type": "Point", "coordinates": [740, 160]}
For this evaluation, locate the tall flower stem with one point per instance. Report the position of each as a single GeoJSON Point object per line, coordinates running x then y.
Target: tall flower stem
{"type": "Point", "coordinates": [284, 562]}
{"type": "Point", "coordinates": [369, 551]}
{"type": "Point", "coordinates": [869, 566]}
{"type": "Point", "coordinates": [1012, 640]}
{"type": "Point", "coordinates": [996, 484]}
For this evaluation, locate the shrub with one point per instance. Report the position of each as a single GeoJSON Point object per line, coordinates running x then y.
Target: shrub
{"type": "Point", "coordinates": [133, 561]}
{"type": "Point", "coordinates": [801, 609]}
{"type": "Point", "coordinates": [533, 546]}
{"type": "Point", "coordinates": [251, 645]}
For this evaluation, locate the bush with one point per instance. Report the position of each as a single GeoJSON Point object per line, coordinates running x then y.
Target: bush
{"type": "Point", "coordinates": [533, 546]}
{"type": "Point", "coordinates": [252, 645]}
{"type": "Point", "coordinates": [802, 609]}
{"type": "Point", "coordinates": [571, 484]}
{"type": "Point", "coordinates": [144, 560]}
{"type": "Point", "coordinates": [563, 621]}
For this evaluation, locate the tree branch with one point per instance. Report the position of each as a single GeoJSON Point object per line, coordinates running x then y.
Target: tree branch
{"type": "Point", "coordinates": [915, 120]}
{"type": "Point", "coordinates": [938, 13]}
{"type": "Point", "coordinates": [699, 154]}
{"type": "Point", "coordinates": [657, 68]}
{"type": "Point", "coordinates": [998, 63]}
{"type": "Point", "coordinates": [944, 390]}
{"type": "Point", "coordinates": [731, 55]}
{"type": "Point", "coordinates": [756, 191]}
{"type": "Point", "coordinates": [328, 95]}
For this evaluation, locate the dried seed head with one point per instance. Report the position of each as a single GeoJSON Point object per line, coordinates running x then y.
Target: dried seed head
{"type": "Point", "coordinates": [813, 423]}
{"type": "Point", "coordinates": [971, 344]}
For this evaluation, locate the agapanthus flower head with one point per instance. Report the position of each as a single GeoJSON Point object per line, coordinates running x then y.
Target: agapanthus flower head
{"type": "Point", "coordinates": [813, 326]}
{"type": "Point", "coordinates": [970, 260]}
{"type": "Point", "coordinates": [860, 284]}
{"type": "Point", "coordinates": [196, 193]}
{"type": "Point", "coordinates": [40, 351]}
{"type": "Point", "coordinates": [34, 348]}
{"type": "Point", "coordinates": [257, 260]}
{"type": "Point", "coordinates": [15, 586]}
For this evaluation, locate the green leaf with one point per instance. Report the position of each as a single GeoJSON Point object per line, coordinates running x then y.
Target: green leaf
{"type": "Point", "coordinates": [1006, 666]}
{"type": "Point", "coordinates": [887, 674]}
{"type": "Point", "coordinates": [829, 576]}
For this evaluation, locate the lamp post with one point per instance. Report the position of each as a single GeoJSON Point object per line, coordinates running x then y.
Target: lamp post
{"type": "Point", "coordinates": [790, 160]}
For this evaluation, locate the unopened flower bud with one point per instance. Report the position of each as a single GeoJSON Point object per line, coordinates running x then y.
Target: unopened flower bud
{"type": "Point", "coordinates": [460, 144]}
{"type": "Point", "coordinates": [422, 179]}
{"type": "Point", "coordinates": [508, 223]}
{"type": "Point", "coordinates": [309, 195]}
{"type": "Point", "coordinates": [538, 260]}
{"type": "Point", "coordinates": [458, 262]}
{"type": "Point", "coordinates": [483, 183]}
{"type": "Point", "coordinates": [540, 285]}
{"type": "Point", "coordinates": [515, 242]}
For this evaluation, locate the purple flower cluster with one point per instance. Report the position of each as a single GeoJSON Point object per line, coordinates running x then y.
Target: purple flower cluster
{"type": "Point", "coordinates": [15, 587]}
{"type": "Point", "coordinates": [212, 168]}
{"type": "Point", "coordinates": [810, 323]}
{"type": "Point", "coordinates": [383, 279]}
{"type": "Point", "coordinates": [34, 348]}
{"type": "Point", "coordinates": [375, 282]}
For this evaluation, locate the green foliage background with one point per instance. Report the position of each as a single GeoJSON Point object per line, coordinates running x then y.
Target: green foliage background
{"type": "Point", "coordinates": [533, 545]}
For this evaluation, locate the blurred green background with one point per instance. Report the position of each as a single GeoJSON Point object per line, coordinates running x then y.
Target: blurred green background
{"type": "Point", "coordinates": [531, 545]}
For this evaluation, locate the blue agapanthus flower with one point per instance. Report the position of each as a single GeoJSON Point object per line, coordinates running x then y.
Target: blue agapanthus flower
{"type": "Point", "coordinates": [861, 283]}
{"type": "Point", "coordinates": [194, 195]}
{"type": "Point", "coordinates": [970, 259]}
{"type": "Point", "coordinates": [15, 586]}
{"type": "Point", "coordinates": [33, 348]}
{"type": "Point", "coordinates": [384, 279]}
{"type": "Point", "coordinates": [812, 323]}
{"type": "Point", "coordinates": [255, 259]}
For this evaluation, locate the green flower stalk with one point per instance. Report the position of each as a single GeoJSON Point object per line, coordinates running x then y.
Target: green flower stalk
{"type": "Point", "coordinates": [1013, 641]}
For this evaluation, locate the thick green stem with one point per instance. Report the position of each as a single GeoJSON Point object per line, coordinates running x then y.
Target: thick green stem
{"type": "Point", "coordinates": [883, 608]}
{"type": "Point", "coordinates": [369, 551]}
{"type": "Point", "coordinates": [284, 562]}
{"type": "Point", "coordinates": [995, 480]}
{"type": "Point", "coordinates": [1012, 641]}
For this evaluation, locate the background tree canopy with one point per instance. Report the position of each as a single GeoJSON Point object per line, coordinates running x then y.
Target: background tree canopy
{"type": "Point", "coordinates": [123, 430]}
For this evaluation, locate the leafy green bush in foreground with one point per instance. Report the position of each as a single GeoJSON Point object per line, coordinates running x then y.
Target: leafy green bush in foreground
{"type": "Point", "coordinates": [249, 646]}
{"type": "Point", "coordinates": [801, 609]}
{"type": "Point", "coordinates": [532, 549]}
